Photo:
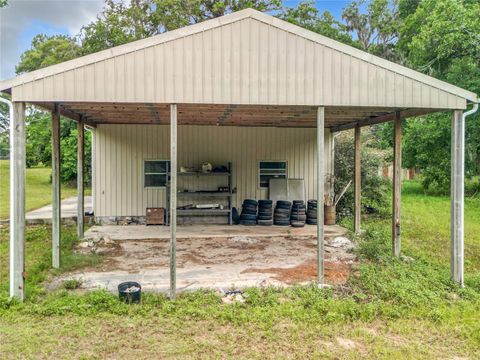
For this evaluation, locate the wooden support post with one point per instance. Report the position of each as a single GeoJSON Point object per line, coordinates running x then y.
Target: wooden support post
{"type": "Point", "coordinates": [80, 179]}
{"type": "Point", "coordinates": [56, 220]}
{"type": "Point", "coordinates": [17, 201]}
{"type": "Point", "coordinates": [357, 181]}
{"type": "Point", "coordinates": [457, 196]}
{"type": "Point", "coordinates": [397, 184]}
{"type": "Point", "coordinates": [173, 200]}
{"type": "Point", "coordinates": [320, 193]}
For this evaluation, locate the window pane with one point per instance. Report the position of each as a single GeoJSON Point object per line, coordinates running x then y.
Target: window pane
{"type": "Point", "coordinates": [155, 166]}
{"type": "Point", "coordinates": [155, 180]}
{"type": "Point", "coordinates": [265, 179]}
{"type": "Point", "coordinates": [273, 165]}
{"type": "Point", "coordinates": [272, 172]}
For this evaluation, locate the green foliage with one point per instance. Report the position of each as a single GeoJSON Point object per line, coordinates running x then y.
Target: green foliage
{"type": "Point", "coordinates": [72, 284]}
{"type": "Point", "coordinates": [376, 28]}
{"type": "Point", "coordinates": [46, 51]}
{"type": "Point", "coordinates": [69, 156]}
{"type": "Point", "coordinates": [375, 189]}
{"type": "Point", "coordinates": [306, 15]}
{"type": "Point", "coordinates": [3, 3]}
{"type": "Point", "coordinates": [39, 138]}
{"type": "Point", "coordinates": [123, 22]}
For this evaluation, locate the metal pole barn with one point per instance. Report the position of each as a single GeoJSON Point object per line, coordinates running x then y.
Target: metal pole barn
{"type": "Point", "coordinates": [320, 193]}
{"type": "Point", "coordinates": [397, 184]}
{"type": "Point", "coordinates": [17, 201]}
{"type": "Point", "coordinates": [357, 180]}
{"type": "Point", "coordinates": [173, 200]}
{"type": "Point", "coordinates": [80, 179]}
{"type": "Point", "coordinates": [56, 221]}
{"type": "Point", "coordinates": [457, 196]}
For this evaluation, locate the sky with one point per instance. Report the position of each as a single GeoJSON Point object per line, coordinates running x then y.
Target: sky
{"type": "Point", "coordinates": [21, 20]}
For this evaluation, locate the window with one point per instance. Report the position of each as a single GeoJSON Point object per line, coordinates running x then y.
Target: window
{"type": "Point", "coordinates": [156, 172]}
{"type": "Point", "coordinates": [271, 170]}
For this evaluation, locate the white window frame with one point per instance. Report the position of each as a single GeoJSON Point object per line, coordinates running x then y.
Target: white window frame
{"type": "Point", "coordinates": [259, 171]}
{"type": "Point", "coordinates": [156, 173]}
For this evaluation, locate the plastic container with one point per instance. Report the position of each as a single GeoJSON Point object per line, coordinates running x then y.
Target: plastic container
{"type": "Point", "coordinates": [130, 292]}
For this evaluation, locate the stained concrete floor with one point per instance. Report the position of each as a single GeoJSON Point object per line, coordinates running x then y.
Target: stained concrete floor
{"type": "Point", "coordinates": [209, 256]}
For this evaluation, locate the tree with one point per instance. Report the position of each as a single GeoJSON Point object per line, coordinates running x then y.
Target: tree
{"type": "Point", "coordinates": [440, 38]}
{"type": "Point", "coordinates": [46, 51]}
{"type": "Point", "coordinates": [306, 15]}
{"type": "Point", "coordinates": [376, 29]}
{"type": "Point", "coordinates": [120, 23]}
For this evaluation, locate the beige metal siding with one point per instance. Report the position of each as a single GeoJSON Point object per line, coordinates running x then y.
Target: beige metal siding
{"type": "Point", "coordinates": [242, 62]}
{"type": "Point", "coordinates": [121, 149]}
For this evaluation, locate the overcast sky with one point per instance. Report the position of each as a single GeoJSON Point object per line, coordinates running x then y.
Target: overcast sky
{"type": "Point", "coordinates": [21, 20]}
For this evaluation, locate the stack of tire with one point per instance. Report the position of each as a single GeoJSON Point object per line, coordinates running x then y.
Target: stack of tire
{"type": "Point", "coordinates": [265, 212]}
{"type": "Point", "coordinates": [312, 212]}
{"type": "Point", "coordinates": [281, 215]}
{"type": "Point", "coordinates": [298, 216]}
{"type": "Point", "coordinates": [249, 212]}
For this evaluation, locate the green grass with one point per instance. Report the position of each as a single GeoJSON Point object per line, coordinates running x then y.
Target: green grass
{"type": "Point", "coordinates": [390, 308]}
{"type": "Point", "coordinates": [38, 188]}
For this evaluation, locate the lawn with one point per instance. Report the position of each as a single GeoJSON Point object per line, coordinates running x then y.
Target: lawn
{"type": "Point", "coordinates": [390, 308]}
{"type": "Point", "coordinates": [38, 188]}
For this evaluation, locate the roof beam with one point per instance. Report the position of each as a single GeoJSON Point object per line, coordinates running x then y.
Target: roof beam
{"type": "Point", "coordinates": [406, 113]}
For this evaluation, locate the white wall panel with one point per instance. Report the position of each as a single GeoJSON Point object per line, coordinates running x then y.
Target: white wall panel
{"type": "Point", "coordinates": [121, 149]}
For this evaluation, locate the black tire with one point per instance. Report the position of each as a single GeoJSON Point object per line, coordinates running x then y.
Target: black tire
{"type": "Point", "coordinates": [288, 207]}
{"type": "Point", "coordinates": [248, 217]}
{"type": "Point", "coordinates": [298, 202]}
{"type": "Point", "coordinates": [282, 211]}
{"type": "Point", "coordinates": [297, 224]}
{"type": "Point", "coordinates": [265, 203]}
{"type": "Point", "coordinates": [265, 218]}
{"type": "Point", "coordinates": [248, 222]}
{"type": "Point", "coordinates": [265, 222]}
{"type": "Point", "coordinates": [265, 213]}
{"type": "Point", "coordinates": [249, 208]}
{"type": "Point", "coordinates": [284, 203]}
{"type": "Point", "coordinates": [250, 202]}
{"type": "Point", "coordinates": [298, 218]}
{"type": "Point", "coordinates": [235, 216]}
{"type": "Point", "coordinates": [281, 223]}
{"type": "Point", "coordinates": [311, 222]}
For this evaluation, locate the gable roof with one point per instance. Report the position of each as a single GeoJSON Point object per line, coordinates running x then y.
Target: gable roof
{"type": "Point", "coordinates": [245, 57]}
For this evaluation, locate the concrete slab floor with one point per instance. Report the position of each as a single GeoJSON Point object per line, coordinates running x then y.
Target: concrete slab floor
{"type": "Point", "coordinates": [218, 257]}
{"type": "Point", "coordinates": [143, 232]}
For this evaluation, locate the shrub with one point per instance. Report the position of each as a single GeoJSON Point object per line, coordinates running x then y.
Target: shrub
{"type": "Point", "coordinates": [375, 189]}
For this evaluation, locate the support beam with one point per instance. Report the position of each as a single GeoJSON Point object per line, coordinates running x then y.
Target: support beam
{"type": "Point", "coordinates": [80, 178]}
{"type": "Point", "coordinates": [357, 181]}
{"type": "Point", "coordinates": [320, 194]}
{"type": "Point", "coordinates": [397, 184]}
{"type": "Point", "coordinates": [56, 220]}
{"type": "Point", "coordinates": [457, 196]}
{"type": "Point", "coordinates": [17, 201]}
{"type": "Point", "coordinates": [173, 200]}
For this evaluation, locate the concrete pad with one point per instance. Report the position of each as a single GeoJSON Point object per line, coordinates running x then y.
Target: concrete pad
{"type": "Point", "coordinates": [219, 257]}
{"type": "Point", "coordinates": [68, 210]}
{"type": "Point", "coordinates": [144, 232]}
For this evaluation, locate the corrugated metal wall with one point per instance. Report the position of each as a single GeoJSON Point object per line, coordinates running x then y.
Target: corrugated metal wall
{"type": "Point", "coordinates": [244, 62]}
{"type": "Point", "coordinates": [121, 149]}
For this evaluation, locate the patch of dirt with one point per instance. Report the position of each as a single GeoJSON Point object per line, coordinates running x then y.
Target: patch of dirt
{"type": "Point", "coordinates": [335, 272]}
{"type": "Point", "coordinates": [346, 343]}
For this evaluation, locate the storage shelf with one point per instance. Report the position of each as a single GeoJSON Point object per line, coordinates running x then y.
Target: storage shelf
{"type": "Point", "coordinates": [202, 212]}
{"type": "Point", "coordinates": [204, 194]}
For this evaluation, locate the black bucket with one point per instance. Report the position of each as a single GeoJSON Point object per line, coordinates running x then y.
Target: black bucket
{"type": "Point", "coordinates": [130, 292]}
